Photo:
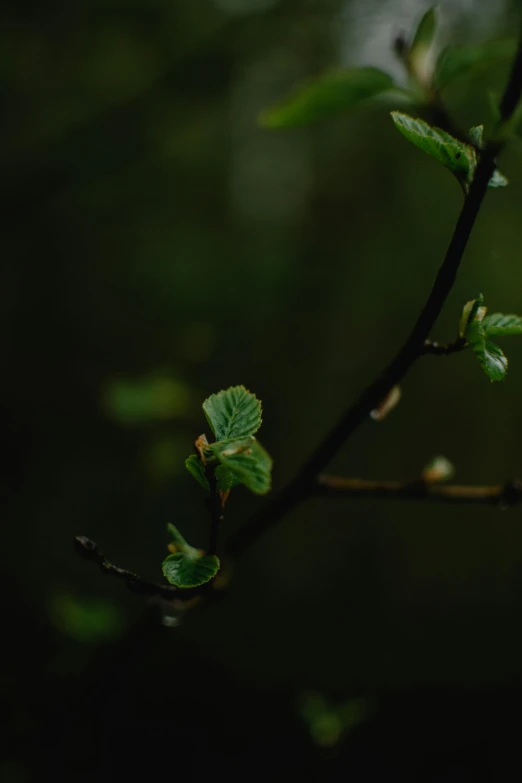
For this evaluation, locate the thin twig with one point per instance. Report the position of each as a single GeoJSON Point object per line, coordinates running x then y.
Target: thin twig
{"type": "Point", "coordinates": [89, 550]}
{"type": "Point", "coordinates": [444, 349]}
{"type": "Point", "coordinates": [301, 486]}
{"type": "Point", "coordinates": [504, 496]}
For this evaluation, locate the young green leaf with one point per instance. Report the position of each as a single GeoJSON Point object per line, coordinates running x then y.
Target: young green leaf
{"type": "Point", "coordinates": [472, 310]}
{"type": "Point", "coordinates": [184, 571]}
{"type": "Point", "coordinates": [500, 325]}
{"type": "Point", "coordinates": [489, 355]}
{"type": "Point", "coordinates": [451, 152]}
{"type": "Point", "coordinates": [188, 567]}
{"type": "Point", "coordinates": [493, 361]}
{"type": "Point", "coordinates": [459, 158]}
{"type": "Point", "coordinates": [247, 460]}
{"type": "Point", "coordinates": [196, 469]}
{"type": "Point", "coordinates": [138, 401]}
{"type": "Point", "coordinates": [179, 542]}
{"type": "Point", "coordinates": [457, 61]}
{"type": "Point", "coordinates": [425, 31]}
{"type": "Point", "coordinates": [331, 94]}
{"type": "Point", "coordinates": [225, 480]}
{"type": "Point", "coordinates": [419, 56]}
{"type": "Point", "coordinates": [233, 414]}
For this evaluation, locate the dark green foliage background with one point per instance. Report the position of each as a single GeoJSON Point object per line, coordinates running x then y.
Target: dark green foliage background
{"type": "Point", "coordinates": [149, 227]}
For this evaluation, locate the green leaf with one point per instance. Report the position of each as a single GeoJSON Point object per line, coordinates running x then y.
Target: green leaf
{"type": "Point", "coordinates": [324, 724]}
{"type": "Point", "coordinates": [494, 362]}
{"type": "Point", "coordinates": [188, 567]}
{"type": "Point", "coordinates": [489, 355]}
{"type": "Point", "coordinates": [425, 31]}
{"type": "Point", "coordinates": [184, 571]}
{"type": "Point", "coordinates": [500, 325]}
{"type": "Point", "coordinates": [476, 135]}
{"type": "Point", "coordinates": [233, 414]}
{"type": "Point", "coordinates": [225, 480]}
{"type": "Point", "coordinates": [136, 402]}
{"type": "Point", "coordinates": [327, 96]}
{"type": "Point", "coordinates": [457, 61]}
{"type": "Point", "coordinates": [458, 157]}
{"type": "Point", "coordinates": [420, 57]}
{"type": "Point", "coordinates": [472, 310]}
{"type": "Point", "coordinates": [85, 620]}
{"type": "Point", "coordinates": [180, 542]}
{"type": "Point", "coordinates": [196, 469]}
{"type": "Point", "coordinates": [247, 460]}
{"type": "Point", "coordinates": [328, 723]}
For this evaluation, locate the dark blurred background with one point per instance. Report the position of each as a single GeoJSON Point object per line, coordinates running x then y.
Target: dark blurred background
{"type": "Point", "coordinates": [158, 245]}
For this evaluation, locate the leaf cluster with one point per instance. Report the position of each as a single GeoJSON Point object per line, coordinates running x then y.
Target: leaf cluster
{"type": "Point", "coordinates": [234, 415]}
{"type": "Point", "coordinates": [477, 328]}
{"type": "Point", "coordinates": [427, 72]}
{"type": "Point", "coordinates": [186, 566]}
{"type": "Point", "coordinates": [235, 457]}
{"type": "Point", "coordinates": [460, 158]}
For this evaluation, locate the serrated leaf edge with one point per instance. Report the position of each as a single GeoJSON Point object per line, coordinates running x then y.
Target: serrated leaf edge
{"type": "Point", "coordinates": [194, 560]}
{"type": "Point", "coordinates": [224, 391]}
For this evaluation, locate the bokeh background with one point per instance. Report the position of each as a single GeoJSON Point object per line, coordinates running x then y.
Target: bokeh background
{"type": "Point", "coordinates": [158, 245]}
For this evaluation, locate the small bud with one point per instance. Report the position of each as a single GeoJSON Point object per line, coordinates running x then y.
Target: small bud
{"type": "Point", "coordinates": [421, 57]}
{"type": "Point", "coordinates": [201, 444]}
{"type": "Point", "coordinates": [387, 404]}
{"type": "Point", "coordinates": [437, 470]}
{"type": "Point", "coordinates": [85, 547]}
{"type": "Point", "coordinates": [400, 46]}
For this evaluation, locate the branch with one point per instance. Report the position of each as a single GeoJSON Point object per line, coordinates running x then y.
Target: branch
{"type": "Point", "coordinates": [444, 349]}
{"type": "Point", "coordinates": [505, 496]}
{"type": "Point", "coordinates": [305, 484]}
{"type": "Point", "coordinates": [301, 486]}
{"type": "Point", "coordinates": [89, 550]}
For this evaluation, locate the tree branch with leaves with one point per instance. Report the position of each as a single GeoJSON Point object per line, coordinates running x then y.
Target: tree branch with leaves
{"type": "Point", "coordinates": [234, 456]}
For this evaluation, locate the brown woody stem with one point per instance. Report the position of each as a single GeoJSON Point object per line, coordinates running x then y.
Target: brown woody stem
{"type": "Point", "coordinates": [302, 485]}
{"type": "Point", "coordinates": [496, 495]}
